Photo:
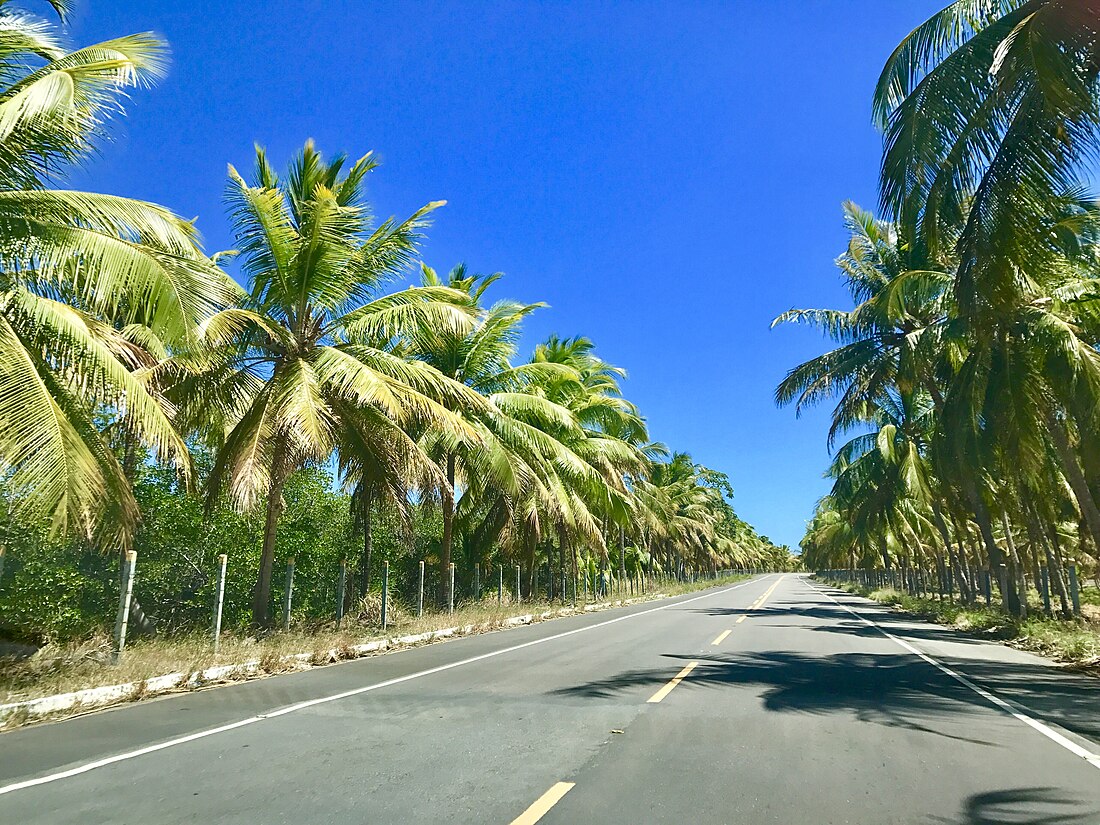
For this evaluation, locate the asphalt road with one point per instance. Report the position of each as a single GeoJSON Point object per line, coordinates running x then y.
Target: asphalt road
{"type": "Point", "coordinates": [767, 702]}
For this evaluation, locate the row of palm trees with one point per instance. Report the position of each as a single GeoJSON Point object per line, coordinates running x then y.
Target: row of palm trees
{"type": "Point", "coordinates": [968, 369]}
{"type": "Point", "coordinates": [122, 342]}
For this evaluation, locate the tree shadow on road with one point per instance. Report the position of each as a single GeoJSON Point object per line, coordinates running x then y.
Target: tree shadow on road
{"type": "Point", "coordinates": [1022, 806]}
{"type": "Point", "coordinates": [841, 621]}
{"type": "Point", "coordinates": [896, 690]}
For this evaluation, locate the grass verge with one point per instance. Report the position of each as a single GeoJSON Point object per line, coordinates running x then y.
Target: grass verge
{"type": "Point", "coordinates": [1075, 642]}
{"type": "Point", "coordinates": [58, 669]}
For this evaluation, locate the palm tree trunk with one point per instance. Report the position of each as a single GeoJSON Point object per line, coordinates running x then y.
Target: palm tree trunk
{"type": "Point", "coordinates": [366, 502]}
{"type": "Point", "coordinates": [885, 553]}
{"type": "Point", "coordinates": [448, 529]}
{"type": "Point", "coordinates": [918, 546]}
{"type": "Point", "coordinates": [958, 568]}
{"type": "Point", "coordinates": [967, 542]}
{"type": "Point", "coordinates": [1016, 571]}
{"type": "Point", "coordinates": [1041, 540]}
{"type": "Point", "coordinates": [1085, 543]}
{"type": "Point", "coordinates": [985, 529]}
{"type": "Point", "coordinates": [1075, 475]}
{"type": "Point", "coordinates": [261, 593]}
{"type": "Point", "coordinates": [1058, 566]}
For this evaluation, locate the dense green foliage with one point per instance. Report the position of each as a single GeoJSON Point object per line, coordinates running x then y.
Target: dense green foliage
{"type": "Point", "coordinates": [149, 402]}
{"type": "Point", "coordinates": [967, 369]}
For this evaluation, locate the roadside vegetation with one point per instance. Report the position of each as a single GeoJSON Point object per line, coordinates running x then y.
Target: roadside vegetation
{"type": "Point", "coordinates": [966, 377]}
{"type": "Point", "coordinates": [63, 667]}
{"type": "Point", "coordinates": [317, 393]}
{"type": "Point", "coordinates": [1074, 643]}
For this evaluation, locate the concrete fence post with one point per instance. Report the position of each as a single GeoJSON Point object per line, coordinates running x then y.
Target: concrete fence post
{"type": "Point", "coordinates": [125, 595]}
{"type": "Point", "coordinates": [500, 586]}
{"type": "Point", "coordinates": [420, 593]}
{"type": "Point", "coordinates": [288, 596]}
{"type": "Point", "coordinates": [477, 582]}
{"type": "Point", "coordinates": [519, 593]}
{"type": "Point", "coordinates": [219, 601]}
{"type": "Point", "coordinates": [451, 602]}
{"type": "Point", "coordinates": [1074, 589]}
{"type": "Point", "coordinates": [1002, 583]}
{"type": "Point", "coordinates": [385, 594]}
{"type": "Point", "coordinates": [341, 583]}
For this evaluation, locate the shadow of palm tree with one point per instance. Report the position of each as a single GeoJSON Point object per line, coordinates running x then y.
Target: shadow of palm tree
{"type": "Point", "coordinates": [1023, 806]}
{"type": "Point", "coordinates": [896, 690]}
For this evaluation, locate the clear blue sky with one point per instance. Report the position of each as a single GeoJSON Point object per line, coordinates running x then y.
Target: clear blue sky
{"type": "Point", "coordinates": [667, 176]}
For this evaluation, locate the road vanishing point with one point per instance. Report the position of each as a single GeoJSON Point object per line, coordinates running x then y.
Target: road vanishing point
{"type": "Point", "coordinates": [776, 700]}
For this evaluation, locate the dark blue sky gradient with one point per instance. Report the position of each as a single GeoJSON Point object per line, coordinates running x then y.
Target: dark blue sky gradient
{"type": "Point", "coordinates": [668, 177]}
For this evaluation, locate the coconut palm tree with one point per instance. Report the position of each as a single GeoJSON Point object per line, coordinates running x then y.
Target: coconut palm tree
{"type": "Point", "coordinates": [990, 113]}
{"type": "Point", "coordinates": [297, 371]}
{"type": "Point", "coordinates": [1005, 394]}
{"type": "Point", "coordinates": [613, 439]}
{"type": "Point", "coordinates": [477, 355]}
{"type": "Point", "coordinates": [93, 288]}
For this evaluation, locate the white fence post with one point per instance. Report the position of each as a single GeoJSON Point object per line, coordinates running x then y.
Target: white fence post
{"type": "Point", "coordinates": [219, 601]}
{"type": "Point", "coordinates": [451, 589]}
{"type": "Point", "coordinates": [385, 594]}
{"type": "Point", "coordinates": [341, 583]}
{"type": "Point", "coordinates": [126, 592]}
{"type": "Point", "coordinates": [420, 594]}
{"type": "Point", "coordinates": [288, 597]}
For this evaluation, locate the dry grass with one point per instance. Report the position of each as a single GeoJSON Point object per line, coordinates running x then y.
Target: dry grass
{"type": "Point", "coordinates": [1075, 642]}
{"type": "Point", "coordinates": [66, 668]}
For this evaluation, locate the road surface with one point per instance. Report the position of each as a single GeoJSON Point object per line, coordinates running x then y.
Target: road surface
{"type": "Point", "coordinates": [766, 702]}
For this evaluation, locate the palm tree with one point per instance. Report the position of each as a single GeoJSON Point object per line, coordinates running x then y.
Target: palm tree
{"type": "Point", "coordinates": [94, 287]}
{"type": "Point", "coordinates": [685, 511]}
{"type": "Point", "coordinates": [476, 354]}
{"type": "Point", "coordinates": [990, 114]}
{"type": "Point", "coordinates": [296, 370]}
{"type": "Point", "coordinates": [615, 439]}
{"type": "Point", "coordinates": [1002, 395]}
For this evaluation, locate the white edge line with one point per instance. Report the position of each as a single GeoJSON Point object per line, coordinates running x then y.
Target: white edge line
{"type": "Point", "coordinates": [98, 697]}
{"type": "Point", "coordinates": [1007, 706]}
{"type": "Point", "coordinates": [191, 737]}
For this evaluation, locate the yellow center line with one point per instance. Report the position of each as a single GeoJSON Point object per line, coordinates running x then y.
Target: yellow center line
{"type": "Point", "coordinates": [769, 591]}
{"type": "Point", "coordinates": [759, 602]}
{"type": "Point", "coordinates": [667, 689]}
{"type": "Point", "coordinates": [721, 636]}
{"type": "Point", "coordinates": [543, 804]}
